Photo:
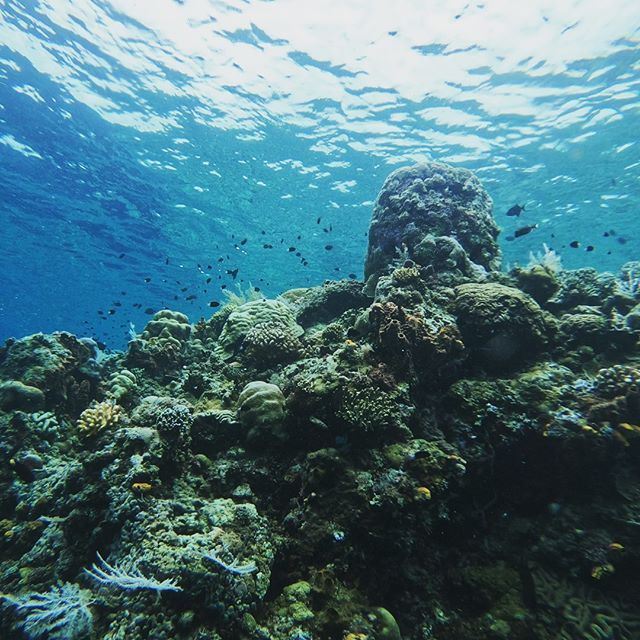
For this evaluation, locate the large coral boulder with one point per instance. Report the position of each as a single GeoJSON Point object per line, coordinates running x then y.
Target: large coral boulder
{"type": "Point", "coordinates": [433, 213]}
{"type": "Point", "coordinates": [499, 324]}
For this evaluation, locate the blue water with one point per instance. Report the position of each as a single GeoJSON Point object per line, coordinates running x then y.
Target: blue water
{"type": "Point", "coordinates": [141, 145]}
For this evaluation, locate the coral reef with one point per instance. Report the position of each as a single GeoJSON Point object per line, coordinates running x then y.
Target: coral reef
{"type": "Point", "coordinates": [438, 214]}
{"type": "Point", "coordinates": [447, 452]}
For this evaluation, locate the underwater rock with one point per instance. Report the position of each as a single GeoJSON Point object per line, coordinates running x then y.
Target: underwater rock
{"type": "Point", "coordinates": [440, 216]}
{"type": "Point", "coordinates": [582, 287]}
{"type": "Point", "coordinates": [323, 304]}
{"type": "Point", "coordinates": [50, 362]}
{"type": "Point", "coordinates": [16, 395]}
{"type": "Point", "coordinates": [246, 316]}
{"type": "Point", "coordinates": [501, 324]}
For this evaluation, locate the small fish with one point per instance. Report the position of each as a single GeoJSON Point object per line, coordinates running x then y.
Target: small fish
{"type": "Point", "coordinates": [574, 245]}
{"type": "Point", "coordinates": [191, 297]}
{"type": "Point", "coordinates": [147, 279]}
{"type": "Point", "coordinates": [516, 210]}
{"type": "Point", "coordinates": [292, 249]}
{"type": "Point", "coordinates": [328, 247]}
{"type": "Point", "coordinates": [214, 303]}
{"type": "Point", "coordinates": [590, 248]}
{"type": "Point", "coordinates": [318, 220]}
{"type": "Point", "coordinates": [353, 276]}
{"type": "Point", "coordinates": [208, 280]}
{"type": "Point", "coordinates": [621, 240]}
{"type": "Point", "coordinates": [184, 289]}
{"type": "Point", "coordinates": [149, 311]}
{"type": "Point", "coordinates": [606, 234]}
{"type": "Point", "coordinates": [522, 231]}
{"type": "Point", "coordinates": [166, 260]}
{"type": "Point", "coordinates": [121, 256]}
{"type": "Point", "coordinates": [243, 241]}
{"type": "Point", "coordinates": [232, 272]}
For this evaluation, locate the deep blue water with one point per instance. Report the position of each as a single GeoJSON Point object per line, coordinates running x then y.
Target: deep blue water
{"type": "Point", "coordinates": [146, 149]}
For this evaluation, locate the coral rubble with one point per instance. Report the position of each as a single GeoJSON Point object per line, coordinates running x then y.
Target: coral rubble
{"type": "Point", "coordinates": [446, 451]}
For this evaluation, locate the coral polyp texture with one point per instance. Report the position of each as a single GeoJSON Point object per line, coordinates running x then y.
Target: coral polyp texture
{"type": "Point", "coordinates": [447, 451]}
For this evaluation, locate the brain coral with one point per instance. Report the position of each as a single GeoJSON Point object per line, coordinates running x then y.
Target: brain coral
{"type": "Point", "coordinates": [247, 316]}
{"type": "Point", "coordinates": [261, 404]}
{"type": "Point", "coordinates": [432, 200]}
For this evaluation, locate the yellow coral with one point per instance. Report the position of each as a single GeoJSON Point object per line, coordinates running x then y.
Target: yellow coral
{"type": "Point", "coordinates": [100, 416]}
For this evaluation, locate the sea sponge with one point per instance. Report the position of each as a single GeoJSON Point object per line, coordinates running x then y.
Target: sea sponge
{"type": "Point", "coordinates": [260, 404]}
{"type": "Point", "coordinates": [100, 416]}
{"type": "Point", "coordinates": [432, 199]}
{"type": "Point", "coordinates": [245, 317]}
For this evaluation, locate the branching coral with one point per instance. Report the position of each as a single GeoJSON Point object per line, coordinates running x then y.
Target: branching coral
{"type": "Point", "coordinates": [100, 416]}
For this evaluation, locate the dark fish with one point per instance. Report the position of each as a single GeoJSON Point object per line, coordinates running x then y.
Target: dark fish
{"type": "Point", "coordinates": [191, 297]}
{"type": "Point", "coordinates": [166, 260]}
{"type": "Point", "coordinates": [621, 240]}
{"type": "Point", "coordinates": [209, 267]}
{"type": "Point", "coordinates": [117, 304]}
{"type": "Point", "coordinates": [214, 303]}
{"type": "Point", "coordinates": [223, 286]}
{"type": "Point", "coordinates": [590, 248]}
{"type": "Point", "coordinates": [318, 220]}
{"type": "Point", "coordinates": [574, 245]}
{"type": "Point", "coordinates": [208, 280]}
{"type": "Point", "coordinates": [149, 311]}
{"type": "Point", "coordinates": [606, 234]}
{"type": "Point", "coordinates": [147, 279]}
{"type": "Point", "coordinates": [292, 249]}
{"type": "Point", "coordinates": [256, 289]}
{"type": "Point", "coordinates": [516, 210]}
{"type": "Point", "coordinates": [328, 247]}
{"type": "Point", "coordinates": [232, 272]}
{"type": "Point", "coordinates": [220, 259]}
{"type": "Point", "coordinates": [522, 231]}
{"type": "Point", "coordinates": [184, 289]}
{"type": "Point", "coordinates": [267, 246]}
{"type": "Point", "coordinates": [243, 241]}
{"type": "Point", "coordinates": [353, 276]}
{"type": "Point", "coordinates": [121, 255]}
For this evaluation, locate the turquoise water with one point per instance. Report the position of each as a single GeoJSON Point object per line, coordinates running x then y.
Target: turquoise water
{"type": "Point", "coordinates": [147, 147]}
